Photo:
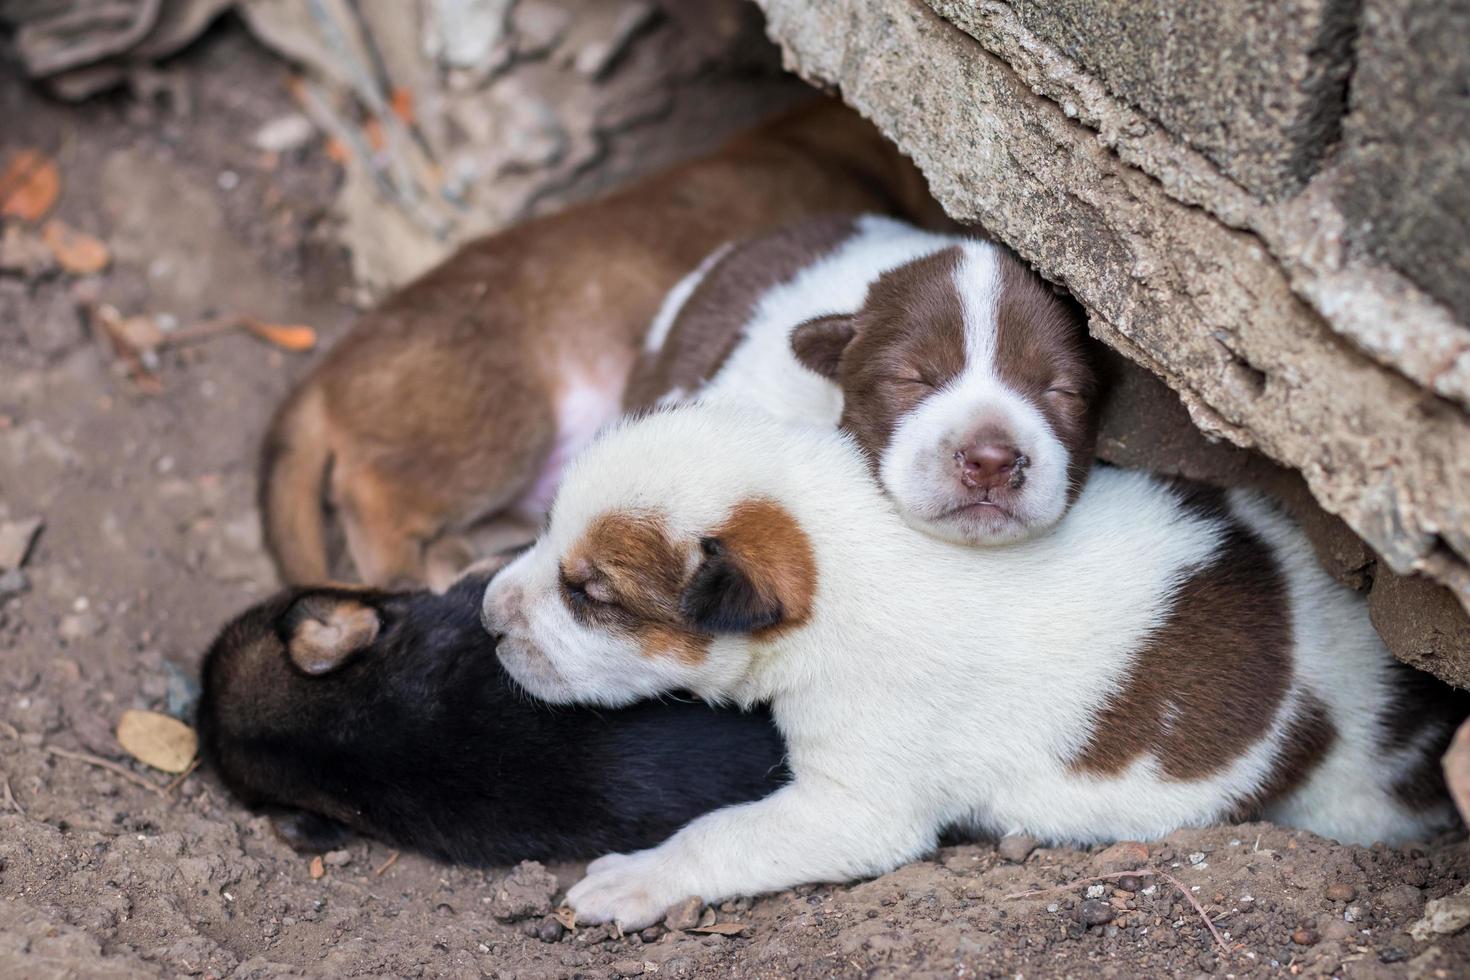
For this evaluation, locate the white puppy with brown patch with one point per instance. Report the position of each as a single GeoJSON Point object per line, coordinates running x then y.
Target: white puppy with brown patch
{"type": "Point", "coordinates": [1170, 655]}
{"type": "Point", "coordinates": [969, 383]}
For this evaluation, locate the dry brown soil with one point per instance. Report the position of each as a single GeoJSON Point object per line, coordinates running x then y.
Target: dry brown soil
{"type": "Point", "coordinates": [151, 540]}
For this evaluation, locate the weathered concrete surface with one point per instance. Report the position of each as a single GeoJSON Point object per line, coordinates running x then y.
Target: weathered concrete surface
{"type": "Point", "coordinates": [1407, 183]}
{"type": "Point", "coordinates": [1277, 334]}
{"type": "Point", "coordinates": [1255, 86]}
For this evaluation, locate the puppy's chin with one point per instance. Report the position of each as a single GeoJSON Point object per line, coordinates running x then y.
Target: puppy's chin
{"type": "Point", "coordinates": [978, 525]}
{"type": "Point", "coordinates": [533, 672]}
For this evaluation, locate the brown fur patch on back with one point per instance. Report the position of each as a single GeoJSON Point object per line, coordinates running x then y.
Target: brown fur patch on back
{"type": "Point", "coordinates": [1308, 739]}
{"type": "Point", "coordinates": [713, 318]}
{"type": "Point", "coordinates": [910, 342]}
{"type": "Point", "coordinates": [632, 557]}
{"type": "Point", "coordinates": [1207, 684]}
{"type": "Point", "coordinates": [775, 556]}
{"type": "Point", "coordinates": [1042, 352]}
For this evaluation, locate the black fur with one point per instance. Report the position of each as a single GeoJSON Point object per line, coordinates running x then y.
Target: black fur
{"type": "Point", "coordinates": [721, 599]}
{"type": "Point", "coordinates": [422, 741]}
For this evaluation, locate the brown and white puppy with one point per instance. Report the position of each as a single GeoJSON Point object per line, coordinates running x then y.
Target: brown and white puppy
{"type": "Point", "coordinates": [968, 382]}
{"type": "Point", "coordinates": [462, 396]}
{"type": "Point", "coordinates": [1167, 656]}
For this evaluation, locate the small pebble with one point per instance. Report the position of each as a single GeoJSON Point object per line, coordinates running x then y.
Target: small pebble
{"type": "Point", "coordinates": [1096, 891]}
{"type": "Point", "coordinates": [652, 934]}
{"type": "Point", "coordinates": [1305, 937]}
{"type": "Point", "coordinates": [1341, 892]}
{"type": "Point", "coordinates": [550, 930]}
{"type": "Point", "coordinates": [628, 968]}
{"type": "Point", "coordinates": [684, 915]}
{"type": "Point", "coordinates": [1198, 857]}
{"type": "Point", "coordinates": [1392, 954]}
{"type": "Point", "coordinates": [337, 859]}
{"type": "Point", "coordinates": [1095, 913]}
{"type": "Point", "coordinates": [1016, 848]}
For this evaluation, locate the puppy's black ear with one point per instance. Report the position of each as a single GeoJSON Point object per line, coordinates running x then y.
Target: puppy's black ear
{"type": "Point", "coordinates": [322, 630]}
{"type": "Point", "coordinates": [721, 598]}
{"type": "Point", "coordinates": [818, 343]}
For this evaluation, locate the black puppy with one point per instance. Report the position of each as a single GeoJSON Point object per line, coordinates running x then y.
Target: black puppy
{"type": "Point", "coordinates": [388, 712]}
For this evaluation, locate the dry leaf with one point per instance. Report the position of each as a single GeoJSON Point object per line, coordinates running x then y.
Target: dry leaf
{"type": "Point", "coordinates": [567, 916]}
{"type": "Point", "coordinates": [721, 929]}
{"type": "Point", "coordinates": [288, 337]}
{"type": "Point", "coordinates": [402, 103]}
{"type": "Point", "coordinates": [157, 740]}
{"type": "Point", "coordinates": [29, 186]}
{"type": "Point", "coordinates": [318, 868]}
{"type": "Point", "coordinates": [75, 251]}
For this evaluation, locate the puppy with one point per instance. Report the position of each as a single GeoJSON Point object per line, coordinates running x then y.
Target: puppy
{"type": "Point", "coordinates": [386, 713]}
{"type": "Point", "coordinates": [970, 385]}
{"type": "Point", "coordinates": [1168, 656]}
{"type": "Point", "coordinates": [459, 399]}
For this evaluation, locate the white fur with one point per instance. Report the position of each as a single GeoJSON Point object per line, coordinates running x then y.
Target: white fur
{"type": "Point", "coordinates": [918, 469]}
{"type": "Point", "coordinates": [933, 684]}
{"type": "Point", "coordinates": [763, 372]}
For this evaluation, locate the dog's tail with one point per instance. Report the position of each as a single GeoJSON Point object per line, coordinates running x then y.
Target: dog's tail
{"type": "Point", "coordinates": [293, 472]}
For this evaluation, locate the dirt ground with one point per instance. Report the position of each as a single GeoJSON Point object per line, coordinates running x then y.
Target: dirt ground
{"type": "Point", "coordinates": [150, 541]}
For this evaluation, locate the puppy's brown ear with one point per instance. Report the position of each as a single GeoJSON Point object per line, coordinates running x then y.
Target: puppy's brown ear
{"type": "Point", "coordinates": [322, 631]}
{"type": "Point", "coordinates": [758, 573]}
{"type": "Point", "coordinates": [818, 343]}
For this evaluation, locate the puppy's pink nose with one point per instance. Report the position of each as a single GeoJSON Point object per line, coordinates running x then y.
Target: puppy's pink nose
{"type": "Point", "coordinates": [989, 465]}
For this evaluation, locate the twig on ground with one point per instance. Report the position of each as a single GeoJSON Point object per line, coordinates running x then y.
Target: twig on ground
{"type": "Point", "coordinates": [10, 799]}
{"type": "Point", "coordinates": [178, 780]}
{"type": "Point", "coordinates": [111, 767]}
{"type": "Point", "coordinates": [1189, 897]}
{"type": "Point", "coordinates": [380, 869]}
{"type": "Point", "coordinates": [1141, 872]}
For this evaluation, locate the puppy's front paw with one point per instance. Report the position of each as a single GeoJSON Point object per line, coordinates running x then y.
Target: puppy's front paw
{"type": "Point", "coordinates": [633, 890]}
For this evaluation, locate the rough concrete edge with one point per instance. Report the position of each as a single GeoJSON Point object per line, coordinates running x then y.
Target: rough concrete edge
{"type": "Point", "coordinates": [1373, 306]}
{"type": "Point", "coordinates": [1389, 514]}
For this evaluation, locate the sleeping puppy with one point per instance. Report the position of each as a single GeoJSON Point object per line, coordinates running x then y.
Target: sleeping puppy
{"type": "Point", "coordinates": [386, 713]}
{"type": "Point", "coordinates": [968, 382]}
{"type": "Point", "coordinates": [453, 406]}
{"type": "Point", "coordinates": [1170, 655]}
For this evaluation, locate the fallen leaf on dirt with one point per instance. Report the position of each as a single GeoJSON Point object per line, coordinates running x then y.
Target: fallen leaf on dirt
{"type": "Point", "coordinates": [402, 103]}
{"type": "Point", "coordinates": [567, 916]}
{"type": "Point", "coordinates": [77, 252]}
{"type": "Point", "coordinates": [29, 186]}
{"type": "Point", "coordinates": [16, 538]}
{"type": "Point", "coordinates": [721, 929]}
{"type": "Point", "coordinates": [157, 740]}
{"type": "Point", "coordinates": [294, 337]}
{"type": "Point", "coordinates": [318, 868]}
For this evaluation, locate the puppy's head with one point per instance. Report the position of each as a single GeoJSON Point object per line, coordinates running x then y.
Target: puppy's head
{"type": "Point", "coordinates": [972, 388]}
{"type": "Point", "coordinates": [314, 684]}
{"type": "Point", "coordinates": [666, 564]}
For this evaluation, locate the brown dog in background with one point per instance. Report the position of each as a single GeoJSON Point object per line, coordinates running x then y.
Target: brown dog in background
{"type": "Point", "coordinates": [458, 400]}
